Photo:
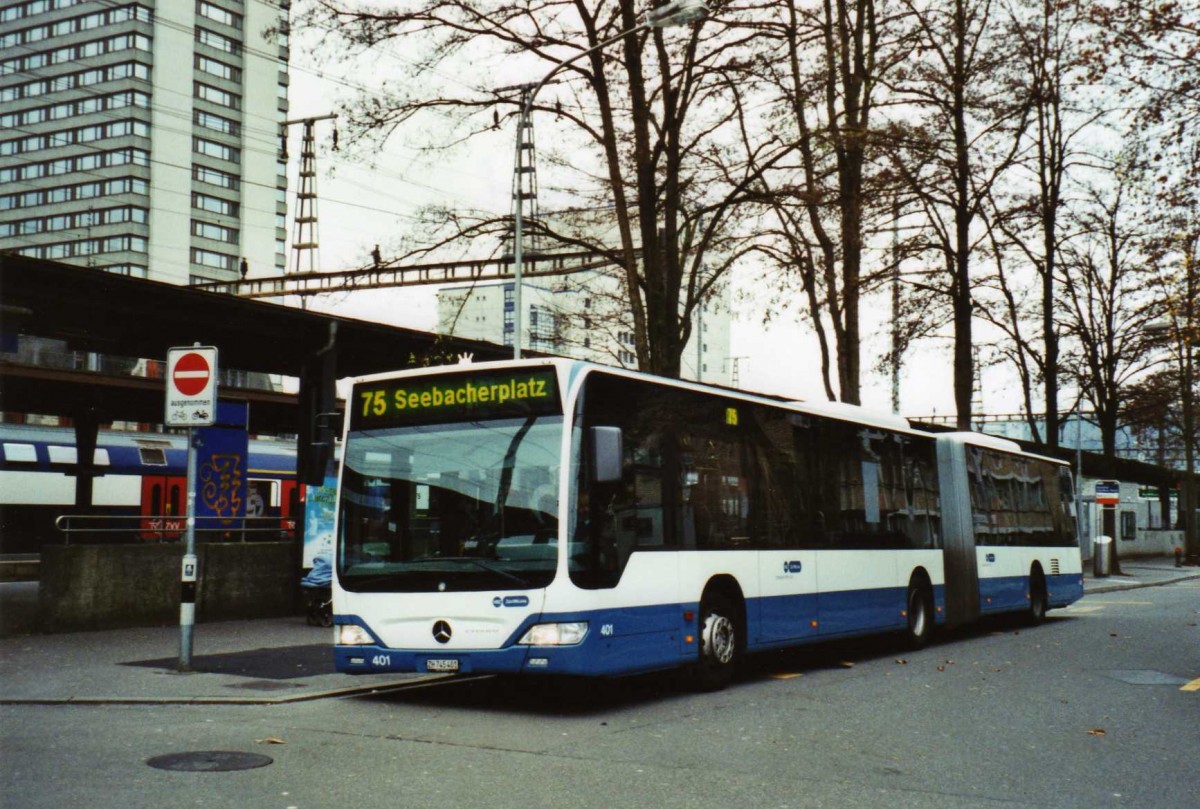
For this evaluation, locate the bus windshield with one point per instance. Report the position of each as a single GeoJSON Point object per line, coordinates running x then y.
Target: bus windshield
{"type": "Point", "coordinates": [451, 507]}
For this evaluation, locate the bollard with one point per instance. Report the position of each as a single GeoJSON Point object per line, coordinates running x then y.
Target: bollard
{"type": "Point", "coordinates": [1179, 557]}
{"type": "Point", "coordinates": [1102, 556]}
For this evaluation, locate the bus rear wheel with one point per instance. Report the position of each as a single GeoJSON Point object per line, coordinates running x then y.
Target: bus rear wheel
{"type": "Point", "coordinates": [719, 642]}
{"type": "Point", "coordinates": [1037, 597]}
{"type": "Point", "coordinates": [920, 615]}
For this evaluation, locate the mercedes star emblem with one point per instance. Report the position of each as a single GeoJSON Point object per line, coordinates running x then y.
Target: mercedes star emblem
{"type": "Point", "coordinates": [441, 632]}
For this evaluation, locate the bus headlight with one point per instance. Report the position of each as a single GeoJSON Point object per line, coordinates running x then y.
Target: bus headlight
{"type": "Point", "coordinates": [565, 634]}
{"type": "Point", "coordinates": [353, 635]}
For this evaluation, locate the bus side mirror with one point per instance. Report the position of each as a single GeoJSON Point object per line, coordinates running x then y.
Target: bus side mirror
{"type": "Point", "coordinates": [606, 454]}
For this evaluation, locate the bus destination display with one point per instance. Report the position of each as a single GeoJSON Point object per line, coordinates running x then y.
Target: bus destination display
{"type": "Point", "coordinates": [455, 397]}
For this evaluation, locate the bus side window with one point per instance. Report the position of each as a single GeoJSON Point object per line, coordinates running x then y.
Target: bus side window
{"type": "Point", "coordinates": [776, 522]}
{"type": "Point", "coordinates": [811, 482]}
{"type": "Point", "coordinates": [924, 523]}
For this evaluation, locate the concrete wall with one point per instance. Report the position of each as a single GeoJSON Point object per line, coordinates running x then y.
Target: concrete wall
{"type": "Point", "coordinates": [1151, 543]}
{"type": "Point", "coordinates": [1145, 544]}
{"type": "Point", "coordinates": [112, 586]}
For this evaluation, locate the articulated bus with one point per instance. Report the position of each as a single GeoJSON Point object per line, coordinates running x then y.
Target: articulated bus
{"type": "Point", "coordinates": [558, 517]}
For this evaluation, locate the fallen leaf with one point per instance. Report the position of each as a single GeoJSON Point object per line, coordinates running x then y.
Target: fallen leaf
{"type": "Point", "coordinates": [901, 661]}
{"type": "Point", "coordinates": [1113, 635]}
{"type": "Point", "coordinates": [1096, 732]}
{"type": "Point", "coordinates": [846, 664]}
{"type": "Point", "coordinates": [271, 740]}
{"type": "Point", "coordinates": [941, 668]}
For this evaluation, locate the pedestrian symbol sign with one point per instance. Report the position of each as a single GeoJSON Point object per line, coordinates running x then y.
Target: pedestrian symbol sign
{"type": "Point", "coordinates": [191, 387]}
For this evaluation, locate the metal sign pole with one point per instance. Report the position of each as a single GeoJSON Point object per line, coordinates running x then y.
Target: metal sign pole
{"type": "Point", "coordinates": [187, 604]}
{"type": "Point", "coordinates": [191, 402]}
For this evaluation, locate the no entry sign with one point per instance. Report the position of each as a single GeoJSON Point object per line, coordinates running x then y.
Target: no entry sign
{"type": "Point", "coordinates": [191, 386]}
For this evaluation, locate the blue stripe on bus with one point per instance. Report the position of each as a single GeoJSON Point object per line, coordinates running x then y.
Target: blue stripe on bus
{"type": "Point", "coordinates": [1064, 589]}
{"type": "Point", "coordinates": [1010, 593]}
{"type": "Point", "coordinates": [637, 639]}
{"type": "Point", "coordinates": [1003, 593]}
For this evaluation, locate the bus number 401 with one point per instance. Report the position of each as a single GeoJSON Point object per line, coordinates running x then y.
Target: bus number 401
{"type": "Point", "coordinates": [381, 660]}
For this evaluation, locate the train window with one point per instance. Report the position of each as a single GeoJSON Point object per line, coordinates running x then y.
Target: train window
{"type": "Point", "coordinates": [20, 453]}
{"type": "Point", "coordinates": [153, 456]}
{"type": "Point", "coordinates": [62, 454]}
{"type": "Point", "coordinates": [261, 495]}
{"type": "Point", "coordinates": [69, 455]}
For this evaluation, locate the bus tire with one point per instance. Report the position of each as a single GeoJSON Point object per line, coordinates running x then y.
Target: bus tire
{"type": "Point", "coordinates": [719, 643]}
{"type": "Point", "coordinates": [1037, 597]}
{"type": "Point", "coordinates": [919, 609]}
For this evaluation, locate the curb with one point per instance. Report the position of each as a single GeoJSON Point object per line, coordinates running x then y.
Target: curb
{"type": "Point", "coordinates": [1116, 587]}
{"type": "Point", "coordinates": [335, 693]}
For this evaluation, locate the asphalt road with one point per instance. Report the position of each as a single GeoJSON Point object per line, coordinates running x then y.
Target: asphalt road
{"type": "Point", "coordinates": [1087, 710]}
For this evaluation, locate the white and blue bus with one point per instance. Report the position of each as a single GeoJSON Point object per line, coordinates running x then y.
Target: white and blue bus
{"type": "Point", "coordinates": [558, 517]}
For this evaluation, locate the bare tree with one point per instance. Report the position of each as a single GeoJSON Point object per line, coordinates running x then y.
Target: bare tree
{"type": "Point", "coordinates": [641, 124]}
{"type": "Point", "coordinates": [966, 139]}
{"type": "Point", "coordinates": [1103, 279]}
{"type": "Point", "coordinates": [1149, 51]}
{"type": "Point", "coordinates": [826, 62]}
{"type": "Point", "coordinates": [1052, 42]}
{"type": "Point", "coordinates": [1173, 246]}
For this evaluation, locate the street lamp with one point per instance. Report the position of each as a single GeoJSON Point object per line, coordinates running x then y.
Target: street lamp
{"type": "Point", "coordinates": [674, 13]}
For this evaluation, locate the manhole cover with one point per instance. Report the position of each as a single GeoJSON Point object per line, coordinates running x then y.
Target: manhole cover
{"type": "Point", "coordinates": [209, 761]}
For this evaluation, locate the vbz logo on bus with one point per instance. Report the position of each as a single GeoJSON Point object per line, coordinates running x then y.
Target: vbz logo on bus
{"type": "Point", "coordinates": [792, 567]}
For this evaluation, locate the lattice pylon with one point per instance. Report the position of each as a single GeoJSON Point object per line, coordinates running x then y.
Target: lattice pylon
{"type": "Point", "coordinates": [524, 183]}
{"type": "Point", "coordinates": [305, 241]}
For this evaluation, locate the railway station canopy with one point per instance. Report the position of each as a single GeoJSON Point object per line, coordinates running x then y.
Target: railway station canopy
{"type": "Point", "coordinates": [102, 316]}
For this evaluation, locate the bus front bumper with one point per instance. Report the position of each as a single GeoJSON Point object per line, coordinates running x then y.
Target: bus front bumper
{"type": "Point", "coordinates": [601, 653]}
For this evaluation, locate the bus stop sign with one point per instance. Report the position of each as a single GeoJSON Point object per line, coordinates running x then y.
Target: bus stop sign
{"type": "Point", "coordinates": [1108, 493]}
{"type": "Point", "coordinates": [191, 387]}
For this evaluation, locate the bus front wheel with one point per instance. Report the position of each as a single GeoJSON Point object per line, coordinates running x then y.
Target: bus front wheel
{"type": "Point", "coordinates": [718, 643]}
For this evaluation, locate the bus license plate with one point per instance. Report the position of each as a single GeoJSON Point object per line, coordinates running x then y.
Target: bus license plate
{"type": "Point", "coordinates": [441, 665]}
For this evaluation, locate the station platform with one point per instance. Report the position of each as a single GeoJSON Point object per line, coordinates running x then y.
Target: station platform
{"type": "Point", "coordinates": [264, 661]}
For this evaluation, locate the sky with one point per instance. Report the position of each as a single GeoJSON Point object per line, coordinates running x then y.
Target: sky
{"type": "Point", "coordinates": [370, 199]}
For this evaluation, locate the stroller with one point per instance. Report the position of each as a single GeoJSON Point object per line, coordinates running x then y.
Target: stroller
{"type": "Point", "coordinates": [317, 589]}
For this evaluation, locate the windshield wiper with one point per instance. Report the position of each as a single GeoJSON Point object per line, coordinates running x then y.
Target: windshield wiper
{"type": "Point", "coordinates": [369, 581]}
{"type": "Point", "coordinates": [477, 562]}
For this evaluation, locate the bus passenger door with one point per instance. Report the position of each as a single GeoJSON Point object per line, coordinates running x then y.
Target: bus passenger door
{"type": "Point", "coordinates": [788, 606]}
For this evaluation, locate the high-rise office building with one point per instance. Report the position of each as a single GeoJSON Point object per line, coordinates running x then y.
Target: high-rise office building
{"type": "Point", "coordinates": [144, 137]}
{"type": "Point", "coordinates": [585, 316]}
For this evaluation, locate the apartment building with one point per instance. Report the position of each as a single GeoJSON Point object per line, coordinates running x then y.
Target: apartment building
{"type": "Point", "coordinates": [144, 137]}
